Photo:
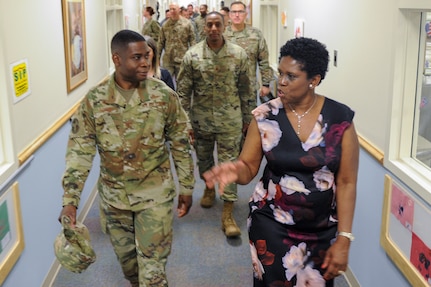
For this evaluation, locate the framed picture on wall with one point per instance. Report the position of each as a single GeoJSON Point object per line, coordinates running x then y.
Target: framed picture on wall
{"type": "Point", "coordinates": [405, 234]}
{"type": "Point", "coordinates": [248, 5]}
{"type": "Point", "coordinates": [11, 232]}
{"type": "Point", "coordinates": [74, 43]}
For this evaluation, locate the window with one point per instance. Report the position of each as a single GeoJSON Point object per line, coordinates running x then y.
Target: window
{"type": "Point", "coordinates": [422, 145]}
{"type": "Point", "coordinates": [409, 144]}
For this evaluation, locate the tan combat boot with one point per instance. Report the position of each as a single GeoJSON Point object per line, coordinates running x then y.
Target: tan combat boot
{"type": "Point", "coordinates": [209, 197]}
{"type": "Point", "coordinates": [229, 226]}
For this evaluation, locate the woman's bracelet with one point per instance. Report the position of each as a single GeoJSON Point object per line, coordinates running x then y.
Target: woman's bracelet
{"type": "Point", "coordinates": [349, 235]}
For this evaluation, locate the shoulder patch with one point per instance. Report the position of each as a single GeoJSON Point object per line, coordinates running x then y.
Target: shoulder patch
{"type": "Point", "coordinates": [75, 125]}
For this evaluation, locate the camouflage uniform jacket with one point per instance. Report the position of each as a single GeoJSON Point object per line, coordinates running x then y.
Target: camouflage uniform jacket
{"type": "Point", "coordinates": [151, 28]}
{"type": "Point", "coordinates": [176, 37]}
{"type": "Point", "coordinates": [200, 25]}
{"type": "Point", "coordinates": [130, 137]}
{"type": "Point", "coordinates": [252, 40]}
{"type": "Point", "coordinates": [220, 87]}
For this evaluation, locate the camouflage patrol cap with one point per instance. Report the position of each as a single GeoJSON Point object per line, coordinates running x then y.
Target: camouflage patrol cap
{"type": "Point", "coordinates": [72, 246]}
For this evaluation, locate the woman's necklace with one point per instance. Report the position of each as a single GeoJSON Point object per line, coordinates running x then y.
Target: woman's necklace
{"type": "Point", "coordinates": [299, 117]}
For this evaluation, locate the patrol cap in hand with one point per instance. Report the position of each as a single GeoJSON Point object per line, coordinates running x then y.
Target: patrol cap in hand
{"type": "Point", "coordinates": [72, 246]}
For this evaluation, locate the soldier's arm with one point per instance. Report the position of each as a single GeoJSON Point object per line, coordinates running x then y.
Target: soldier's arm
{"type": "Point", "coordinates": [192, 35]}
{"type": "Point", "coordinates": [81, 149]}
{"type": "Point", "coordinates": [185, 82]}
{"type": "Point", "coordinates": [156, 30]}
{"type": "Point", "coordinates": [161, 43]}
{"type": "Point", "coordinates": [245, 90]}
{"type": "Point", "coordinates": [177, 129]}
{"type": "Point", "coordinates": [263, 62]}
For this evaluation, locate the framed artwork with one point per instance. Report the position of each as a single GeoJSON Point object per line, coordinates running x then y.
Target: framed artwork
{"type": "Point", "coordinates": [74, 43]}
{"type": "Point", "coordinates": [11, 232]}
{"type": "Point", "coordinates": [248, 5]}
{"type": "Point", "coordinates": [404, 234]}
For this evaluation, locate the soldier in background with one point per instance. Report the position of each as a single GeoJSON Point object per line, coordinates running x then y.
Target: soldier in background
{"type": "Point", "coordinates": [176, 37]}
{"type": "Point", "coordinates": [225, 12]}
{"type": "Point", "coordinates": [214, 88]}
{"type": "Point", "coordinates": [151, 26]}
{"type": "Point", "coordinates": [252, 40]}
{"type": "Point", "coordinates": [191, 10]}
{"type": "Point", "coordinates": [128, 120]}
{"type": "Point", "coordinates": [185, 14]}
{"type": "Point", "coordinates": [200, 22]}
{"type": "Point", "coordinates": [167, 16]}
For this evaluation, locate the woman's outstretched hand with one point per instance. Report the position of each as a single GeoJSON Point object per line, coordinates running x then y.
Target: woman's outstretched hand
{"type": "Point", "coordinates": [223, 174]}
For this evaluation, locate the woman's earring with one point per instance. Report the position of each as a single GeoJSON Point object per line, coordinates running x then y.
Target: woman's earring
{"type": "Point", "coordinates": [310, 86]}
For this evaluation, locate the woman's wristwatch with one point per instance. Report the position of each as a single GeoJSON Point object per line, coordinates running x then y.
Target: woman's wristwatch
{"type": "Point", "coordinates": [349, 235]}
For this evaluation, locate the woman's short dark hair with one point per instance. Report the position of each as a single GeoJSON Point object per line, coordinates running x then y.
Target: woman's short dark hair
{"type": "Point", "coordinates": [310, 53]}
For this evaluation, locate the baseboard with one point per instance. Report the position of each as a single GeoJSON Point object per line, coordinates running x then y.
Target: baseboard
{"type": "Point", "coordinates": [351, 279]}
{"type": "Point", "coordinates": [55, 267]}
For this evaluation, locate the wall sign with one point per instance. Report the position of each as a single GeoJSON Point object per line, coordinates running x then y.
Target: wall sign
{"type": "Point", "coordinates": [20, 80]}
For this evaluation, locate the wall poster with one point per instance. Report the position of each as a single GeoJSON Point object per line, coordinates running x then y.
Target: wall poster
{"type": "Point", "coordinates": [20, 80]}
{"type": "Point", "coordinates": [405, 233]}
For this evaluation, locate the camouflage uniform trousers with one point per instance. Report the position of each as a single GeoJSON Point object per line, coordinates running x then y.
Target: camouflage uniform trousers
{"type": "Point", "coordinates": [142, 241]}
{"type": "Point", "coordinates": [227, 148]}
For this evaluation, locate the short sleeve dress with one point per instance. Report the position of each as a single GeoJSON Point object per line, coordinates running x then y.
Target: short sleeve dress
{"type": "Point", "coordinates": [293, 216]}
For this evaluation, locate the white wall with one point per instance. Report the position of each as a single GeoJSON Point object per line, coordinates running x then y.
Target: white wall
{"type": "Point", "coordinates": [361, 32]}
{"type": "Point", "coordinates": [34, 30]}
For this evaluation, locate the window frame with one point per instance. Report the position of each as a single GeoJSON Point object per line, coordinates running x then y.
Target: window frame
{"type": "Point", "coordinates": [7, 158]}
{"type": "Point", "coordinates": [402, 138]}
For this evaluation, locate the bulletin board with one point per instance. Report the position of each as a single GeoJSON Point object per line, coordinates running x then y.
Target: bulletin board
{"type": "Point", "coordinates": [405, 233]}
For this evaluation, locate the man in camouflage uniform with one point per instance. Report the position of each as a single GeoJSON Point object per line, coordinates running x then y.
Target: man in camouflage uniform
{"type": "Point", "coordinates": [177, 35]}
{"type": "Point", "coordinates": [252, 40]}
{"type": "Point", "coordinates": [185, 13]}
{"type": "Point", "coordinates": [200, 22]}
{"type": "Point", "coordinates": [128, 119]}
{"type": "Point", "coordinates": [215, 89]}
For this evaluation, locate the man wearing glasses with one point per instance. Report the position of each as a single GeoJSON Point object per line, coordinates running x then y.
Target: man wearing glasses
{"type": "Point", "coordinates": [252, 40]}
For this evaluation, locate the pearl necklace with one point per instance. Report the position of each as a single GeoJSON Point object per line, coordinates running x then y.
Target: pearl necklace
{"type": "Point", "coordinates": [299, 117]}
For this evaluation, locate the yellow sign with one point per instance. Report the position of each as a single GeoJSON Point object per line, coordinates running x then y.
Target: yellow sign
{"type": "Point", "coordinates": [20, 80]}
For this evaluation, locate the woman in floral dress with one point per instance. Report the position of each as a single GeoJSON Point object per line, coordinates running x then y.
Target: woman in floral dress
{"type": "Point", "coordinates": [301, 210]}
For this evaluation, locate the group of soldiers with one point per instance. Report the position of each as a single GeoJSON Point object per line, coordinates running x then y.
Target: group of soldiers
{"type": "Point", "coordinates": [213, 89]}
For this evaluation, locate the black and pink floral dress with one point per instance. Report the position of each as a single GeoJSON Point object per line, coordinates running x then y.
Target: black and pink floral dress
{"type": "Point", "coordinates": [293, 218]}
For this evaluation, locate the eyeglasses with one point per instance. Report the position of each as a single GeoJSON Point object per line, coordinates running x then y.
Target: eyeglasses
{"type": "Point", "coordinates": [286, 77]}
{"type": "Point", "coordinates": [240, 12]}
